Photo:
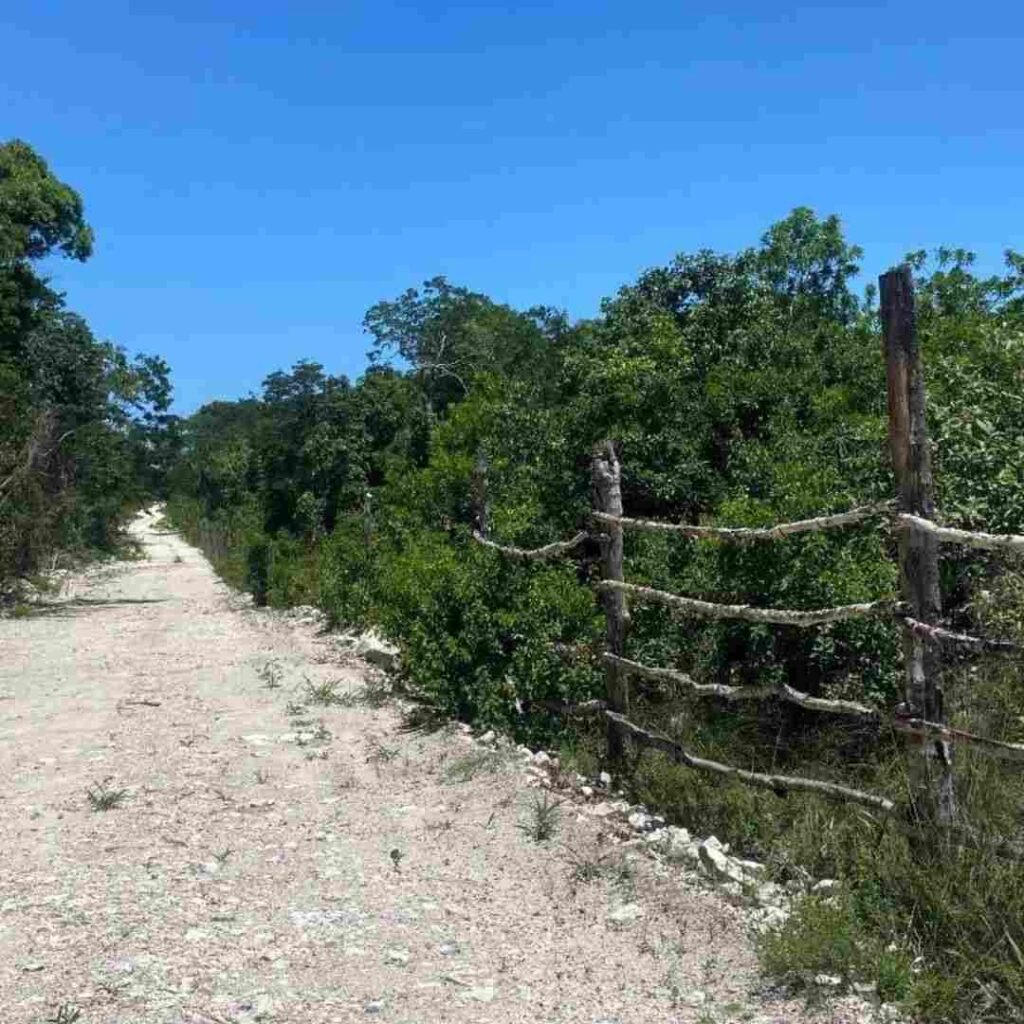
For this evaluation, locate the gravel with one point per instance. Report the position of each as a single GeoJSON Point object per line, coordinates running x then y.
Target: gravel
{"type": "Point", "coordinates": [256, 870]}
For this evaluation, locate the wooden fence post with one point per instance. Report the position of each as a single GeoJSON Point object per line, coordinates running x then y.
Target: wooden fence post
{"type": "Point", "coordinates": [931, 768]}
{"type": "Point", "coordinates": [607, 485]}
{"type": "Point", "coordinates": [368, 517]}
{"type": "Point", "coordinates": [481, 501]}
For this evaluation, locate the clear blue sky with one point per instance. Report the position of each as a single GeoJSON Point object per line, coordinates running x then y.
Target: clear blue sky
{"type": "Point", "coordinates": [256, 179]}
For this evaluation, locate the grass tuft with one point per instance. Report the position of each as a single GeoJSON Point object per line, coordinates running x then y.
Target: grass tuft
{"type": "Point", "coordinates": [543, 818]}
{"type": "Point", "coordinates": [66, 1013]}
{"type": "Point", "coordinates": [270, 674]}
{"type": "Point", "coordinates": [103, 798]}
{"type": "Point", "coordinates": [474, 763]}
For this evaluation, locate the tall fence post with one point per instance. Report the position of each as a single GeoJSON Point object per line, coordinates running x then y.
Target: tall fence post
{"type": "Point", "coordinates": [480, 497]}
{"type": "Point", "coordinates": [931, 767]}
{"type": "Point", "coordinates": [368, 517]}
{"type": "Point", "coordinates": [607, 484]}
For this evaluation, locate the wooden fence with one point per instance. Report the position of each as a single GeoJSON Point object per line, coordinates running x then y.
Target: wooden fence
{"type": "Point", "coordinates": [922, 715]}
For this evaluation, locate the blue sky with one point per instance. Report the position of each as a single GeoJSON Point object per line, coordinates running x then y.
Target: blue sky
{"type": "Point", "coordinates": [260, 173]}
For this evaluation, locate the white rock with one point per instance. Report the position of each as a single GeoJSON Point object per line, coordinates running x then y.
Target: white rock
{"type": "Point", "coordinates": [541, 758]}
{"type": "Point", "coordinates": [625, 913]}
{"type": "Point", "coordinates": [638, 820]}
{"type": "Point", "coordinates": [827, 980]}
{"type": "Point", "coordinates": [752, 867]}
{"type": "Point", "coordinates": [695, 998]}
{"type": "Point", "coordinates": [605, 779]}
{"type": "Point", "coordinates": [865, 990]}
{"type": "Point", "coordinates": [586, 791]}
{"type": "Point", "coordinates": [680, 835]}
{"type": "Point", "coordinates": [769, 918]}
{"type": "Point", "coordinates": [734, 890]}
{"type": "Point", "coordinates": [481, 993]}
{"type": "Point", "coordinates": [488, 737]}
{"type": "Point", "coordinates": [396, 957]}
{"type": "Point", "coordinates": [770, 894]}
{"type": "Point", "coordinates": [826, 885]}
{"type": "Point", "coordinates": [372, 647]}
{"type": "Point", "coordinates": [718, 865]}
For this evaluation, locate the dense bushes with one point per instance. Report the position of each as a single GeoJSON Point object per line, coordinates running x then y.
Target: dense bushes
{"type": "Point", "coordinates": [740, 389]}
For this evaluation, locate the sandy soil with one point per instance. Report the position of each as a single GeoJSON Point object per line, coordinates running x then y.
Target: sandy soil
{"type": "Point", "coordinates": [309, 865]}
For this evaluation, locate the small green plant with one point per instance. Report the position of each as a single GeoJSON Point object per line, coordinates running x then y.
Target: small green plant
{"type": "Point", "coordinates": [584, 869]}
{"type": "Point", "coordinates": [325, 693]}
{"type": "Point", "coordinates": [66, 1013]}
{"type": "Point", "coordinates": [542, 818]}
{"type": "Point", "coordinates": [476, 762]}
{"type": "Point", "coordinates": [378, 753]}
{"type": "Point", "coordinates": [318, 735]}
{"type": "Point", "coordinates": [222, 857]}
{"type": "Point", "coordinates": [270, 674]}
{"type": "Point", "coordinates": [103, 798]}
{"type": "Point", "coordinates": [294, 708]}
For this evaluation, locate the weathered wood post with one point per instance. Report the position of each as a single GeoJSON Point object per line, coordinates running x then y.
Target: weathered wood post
{"type": "Point", "coordinates": [480, 497]}
{"type": "Point", "coordinates": [368, 517]}
{"type": "Point", "coordinates": [607, 486]}
{"type": "Point", "coordinates": [931, 767]}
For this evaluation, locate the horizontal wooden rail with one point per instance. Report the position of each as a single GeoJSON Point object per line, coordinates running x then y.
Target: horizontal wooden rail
{"type": "Point", "coordinates": [774, 616]}
{"type": "Point", "coordinates": [779, 784]}
{"type": "Point", "coordinates": [934, 730]}
{"type": "Point", "coordinates": [670, 675]}
{"type": "Point", "coordinates": [560, 547]}
{"type": "Point", "coordinates": [947, 535]}
{"type": "Point", "coordinates": [915, 726]}
{"type": "Point", "coordinates": [941, 634]}
{"type": "Point", "coordinates": [739, 693]}
{"type": "Point", "coordinates": [745, 533]}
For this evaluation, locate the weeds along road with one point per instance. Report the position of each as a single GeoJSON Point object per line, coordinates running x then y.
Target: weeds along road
{"type": "Point", "coordinates": [189, 837]}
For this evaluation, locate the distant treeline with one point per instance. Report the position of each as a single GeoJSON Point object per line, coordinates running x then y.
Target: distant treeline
{"type": "Point", "coordinates": [84, 430]}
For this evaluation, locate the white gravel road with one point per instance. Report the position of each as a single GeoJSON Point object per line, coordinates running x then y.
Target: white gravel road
{"type": "Point", "coordinates": [248, 871]}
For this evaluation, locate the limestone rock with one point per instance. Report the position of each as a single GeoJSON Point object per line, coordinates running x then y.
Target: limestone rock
{"type": "Point", "coordinates": [377, 651]}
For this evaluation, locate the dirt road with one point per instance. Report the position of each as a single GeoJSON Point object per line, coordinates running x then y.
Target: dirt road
{"type": "Point", "coordinates": [268, 858]}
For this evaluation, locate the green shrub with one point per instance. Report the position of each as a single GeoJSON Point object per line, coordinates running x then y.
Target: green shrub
{"type": "Point", "coordinates": [476, 632]}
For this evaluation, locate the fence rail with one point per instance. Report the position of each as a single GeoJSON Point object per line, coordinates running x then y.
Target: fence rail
{"type": "Point", "coordinates": [744, 534]}
{"type": "Point", "coordinates": [940, 634]}
{"type": "Point", "coordinates": [746, 612]}
{"type": "Point", "coordinates": [968, 538]}
{"type": "Point", "coordinates": [548, 551]}
{"type": "Point", "coordinates": [744, 693]}
{"type": "Point", "coordinates": [779, 784]}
